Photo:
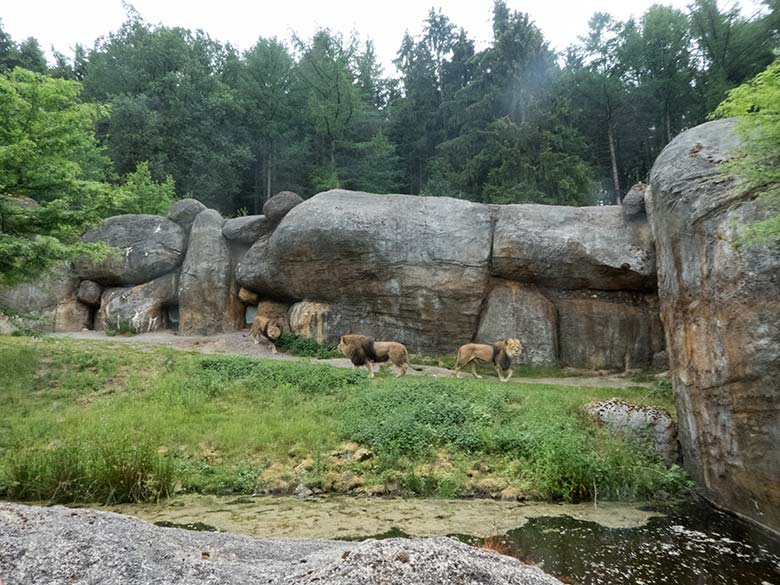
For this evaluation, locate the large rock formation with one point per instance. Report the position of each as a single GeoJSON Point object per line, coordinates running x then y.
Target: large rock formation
{"type": "Point", "coordinates": [607, 330]}
{"type": "Point", "coordinates": [147, 246]}
{"type": "Point", "coordinates": [138, 309]}
{"type": "Point", "coordinates": [432, 272]}
{"type": "Point", "coordinates": [61, 546]}
{"type": "Point", "coordinates": [515, 310]}
{"type": "Point", "coordinates": [208, 294]}
{"type": "Point", "coordinates": [720, 304]}
{"type": "Point", "coordinates": [417, 267]}
{"type": "Point", "coordinates": [47, 304]}
{"type": "Point", "coordinates": [573, 248]}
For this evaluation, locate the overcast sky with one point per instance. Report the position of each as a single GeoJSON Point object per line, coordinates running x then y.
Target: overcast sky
{"type": "Point", "coordinates": [64, 23]}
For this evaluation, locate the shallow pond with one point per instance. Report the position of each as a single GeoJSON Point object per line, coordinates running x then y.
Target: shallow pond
{"type": "Point", "coordinates": [694, 546]}
{"type": "Point", "coordinates": [612, 543]}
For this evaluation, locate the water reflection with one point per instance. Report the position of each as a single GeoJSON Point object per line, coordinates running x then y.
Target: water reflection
{"type": "Point", "coordinates": [699, 546]}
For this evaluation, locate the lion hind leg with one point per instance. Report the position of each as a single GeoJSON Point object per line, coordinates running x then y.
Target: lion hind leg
{"type": "Point", "coordinates": [474, 370]}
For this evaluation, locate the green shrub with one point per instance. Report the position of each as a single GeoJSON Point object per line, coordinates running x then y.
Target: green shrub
{"type": "Point", "coordinates": [411, 417]}
{"type": "Point", "coordinates": [307, 378]}
{"type": "Point", "coordinates": [202, 477]}
{"type": "Point", "coordinates": [304, 347]}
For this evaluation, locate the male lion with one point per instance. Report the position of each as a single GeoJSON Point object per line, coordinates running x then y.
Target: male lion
{"type": "Point", "coordinates": [267, 328]}
{"type": "Point", "coordinates": [363, 351]}
{"type": "Point", "coordinates": [500, 353]}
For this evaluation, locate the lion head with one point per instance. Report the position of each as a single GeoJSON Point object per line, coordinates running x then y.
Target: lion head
{"type": "Point", "coordinates": [512, 347]}
{"type": "Point", "coordinates": [350, 343]}
{"type": "Point", "coordinates": [274, 330]}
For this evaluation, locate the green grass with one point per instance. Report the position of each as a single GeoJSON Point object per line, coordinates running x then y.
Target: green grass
{"type": "Point", "coordinates": [89, 421]}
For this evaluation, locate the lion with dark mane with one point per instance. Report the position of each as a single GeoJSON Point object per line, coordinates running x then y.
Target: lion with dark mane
{"type": "Point", "coordinates": [500, 354]}
{"type": "Point", "coordinates": [365, 351]}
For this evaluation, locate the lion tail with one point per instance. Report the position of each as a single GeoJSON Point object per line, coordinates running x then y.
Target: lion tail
{"type": "Point", "coordinates": [408, 363]}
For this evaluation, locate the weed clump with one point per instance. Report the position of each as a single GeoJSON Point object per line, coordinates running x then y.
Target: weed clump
{"type": "Point", "coordinates": [304, 347]}
{"type": "Point", "coordinates": [310, 379]}
{"type": "Point", "coordinates": [111, 473]}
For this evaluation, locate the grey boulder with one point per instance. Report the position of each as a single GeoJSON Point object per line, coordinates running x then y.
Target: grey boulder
{"type": "Point", "coordinates": [280, 205]}
{"type": "Point", "coordinates": [147, 246]}
{"type": "Point", "coordinates": [48, 303]}
{"type": "Point", "coordinates": [138, 309]}
{"type": "Point", "coordinates": [89, 293]}
{"type": "Point", "coordinates": [247, 229]}
{"type": "Point", "coordinates": [639, 423]}
{"type": "Point", "coordinates": [573, 247]}
{"type": "Point", "coordinates": [634, 203]}
{"type": "Point", "coordinates": [184, 212]}
{"type": "Point", "coordinates": [208, 294]}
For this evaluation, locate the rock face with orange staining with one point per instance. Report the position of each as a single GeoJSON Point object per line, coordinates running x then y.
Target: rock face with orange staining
{"type": "Point", "coordinates": [208, 294]}
{"type": "Point", "coordinates": [720, 304]}
{"type": "Point", "coordinates": [436, 272]}
{"type": "Point", "coordinates": [431, 272]}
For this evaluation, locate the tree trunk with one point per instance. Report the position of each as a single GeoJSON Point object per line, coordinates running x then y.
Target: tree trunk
{"type": "Point", "coordinates": [613, 158]}
{"type": "Point", "coordinates": [258, 192]}
{"type": "Point", "coordinates": [268, 177]}
{"type": "Point", "coordinates": [668, 127]}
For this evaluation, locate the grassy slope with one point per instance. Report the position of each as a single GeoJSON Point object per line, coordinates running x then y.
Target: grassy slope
{"type": "Point", "coordinates": [86, 421]}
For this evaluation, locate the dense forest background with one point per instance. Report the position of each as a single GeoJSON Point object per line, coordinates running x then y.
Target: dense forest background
{"type": "Point", "coordinates": [173, 112]}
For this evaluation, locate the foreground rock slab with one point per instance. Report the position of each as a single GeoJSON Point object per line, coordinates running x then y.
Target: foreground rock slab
{"type": "Point", "coordinates": [60, 545]}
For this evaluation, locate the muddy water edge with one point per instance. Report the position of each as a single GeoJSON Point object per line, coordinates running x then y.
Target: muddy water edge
{"type": "Point", "coordinates": [611, 543]}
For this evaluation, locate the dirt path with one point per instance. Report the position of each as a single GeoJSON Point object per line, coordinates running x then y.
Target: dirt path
{"type": "Point", "coordinates": [236, 344]}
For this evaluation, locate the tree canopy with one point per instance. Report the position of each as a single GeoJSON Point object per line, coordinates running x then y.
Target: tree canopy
{"type": "Point", "coordinates": [756, 104]}
{"type": "Point", "coordinates": [152, 112]}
